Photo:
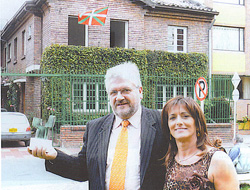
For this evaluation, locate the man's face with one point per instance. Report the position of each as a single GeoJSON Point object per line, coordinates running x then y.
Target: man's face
{"type": "Point", "coordinates": [125, 97]}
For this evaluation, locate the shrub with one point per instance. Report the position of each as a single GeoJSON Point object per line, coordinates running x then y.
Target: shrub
{"type": "Point", "coordinates": [217, 110]}
{"type": "Point", "coordinates": [62, 64]}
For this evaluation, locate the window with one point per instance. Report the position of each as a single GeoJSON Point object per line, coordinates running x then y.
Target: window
{"type": "Point", "coordinates": [29, 32]}
{"type": "Point", "coordinates": [89, 97]}
{"type": "Point", "coordinates": [166, 92]}
{"type": "Point", "coordinates": [227, 38]}
{"type": "Point", "coordinates": [9, 53]}
{"type": "Point", "coordinates": [236, 2]}
{"type": "Point", "coordinates": [15, 49]}
{"type": "Point", "coordinates": [23, 44]}
{"type": "Point", "coordinates": [177, 39]}
{"type": "Point", "coordinates": [4, 58]}
{"type": "Point", "coordinates": [119, 34]}
{"type": "Point", "coordinates": [77, 33]}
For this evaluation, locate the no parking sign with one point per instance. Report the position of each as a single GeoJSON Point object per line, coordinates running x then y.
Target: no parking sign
{"type": "Point", "coordinates": [201, 88]}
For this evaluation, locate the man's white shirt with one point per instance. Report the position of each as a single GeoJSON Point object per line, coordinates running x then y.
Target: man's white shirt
{"type": "Point", "coordinates": [132, 179]}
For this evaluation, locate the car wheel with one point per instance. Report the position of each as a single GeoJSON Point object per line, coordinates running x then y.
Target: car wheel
{"type": "Point", "coordinates": [27, 143]}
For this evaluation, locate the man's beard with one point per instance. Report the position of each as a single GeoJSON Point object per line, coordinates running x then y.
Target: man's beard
{"type": "Point", "coordinates": [125, 114]}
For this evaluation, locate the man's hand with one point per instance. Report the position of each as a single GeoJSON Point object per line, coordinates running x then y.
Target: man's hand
{"type": "Point", "coordinates": [43, 152]}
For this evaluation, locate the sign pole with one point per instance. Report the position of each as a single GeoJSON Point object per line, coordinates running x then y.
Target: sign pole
{"type": "Point", "coordinates": [235, 80]}
{"type": "Point", "coordinates": [234, 120]}
{"type": "Point", "coordinates": [202, 106]}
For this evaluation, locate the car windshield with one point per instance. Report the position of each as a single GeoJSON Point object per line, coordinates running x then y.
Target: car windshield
{"type": "Point", "coordinates": [13, 119]}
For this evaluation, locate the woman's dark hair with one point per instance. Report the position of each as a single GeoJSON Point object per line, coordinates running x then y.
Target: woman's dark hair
{"type": "Point", "coordinates": [200, 123]}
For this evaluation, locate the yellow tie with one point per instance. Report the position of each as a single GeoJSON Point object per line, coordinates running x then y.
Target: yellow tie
{"type": "Point", "coordinates": [118, 169]}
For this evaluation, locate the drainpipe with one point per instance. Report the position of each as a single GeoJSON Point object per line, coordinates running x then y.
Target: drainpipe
{"type": "Point", "coordinates": [210, 56]}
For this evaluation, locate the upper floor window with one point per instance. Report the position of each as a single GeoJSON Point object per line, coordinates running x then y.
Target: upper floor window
{"type": "Point", "coordinates": [23, 43]}
{"type": "Point", "coordinates": [177, 39]}
{"type": "Point", "coordinates": [29, 32]}
{"type": "Point", "coordinates": [77, 33]}
{"type": "Point", "coordinates": [166, 92]}
{"type": "Point", "coordinates": [236, 2]}
{"type": "Point", "coordinates": [118, 34]}
{"type": "Point", "coordinates": [228, 38]}
{"type": "Point", "coordinates": [4, 58]}
{"type": "Point", "coordinates": [90, 97]}
{"type": "Point", "coordinates": [15, 49]}
{"type": "Point", "coordinates": [9, 52]}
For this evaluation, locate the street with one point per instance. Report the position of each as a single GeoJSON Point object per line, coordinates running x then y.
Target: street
{"type": "Point", "coordinates": [20, 170]}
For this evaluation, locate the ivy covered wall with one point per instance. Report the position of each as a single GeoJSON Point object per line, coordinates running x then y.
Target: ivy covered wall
{"type": "Point", "coordinates": [76, 61]}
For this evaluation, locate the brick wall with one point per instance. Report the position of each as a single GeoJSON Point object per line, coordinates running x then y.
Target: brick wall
{"type": "Point", "coordinates": [222, 130]}
{"type": "Point", "coordinates": [156, 31]}
{"type": "Point", "coordinates": [19, 64]}
{"type": "Point", "coordinates": [146, 30]}
{"type": "Point", "coordinates": [71, 136]}
{"type": "Point", "coordinates": [37, 40]}
{"type": "Point", "coordinates": [33, 96]}
{"type": "Point", "coordinates": [29, 59]}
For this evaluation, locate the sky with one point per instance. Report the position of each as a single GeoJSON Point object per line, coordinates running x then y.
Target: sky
{"type": "Point", "coordinates": [8, 8]}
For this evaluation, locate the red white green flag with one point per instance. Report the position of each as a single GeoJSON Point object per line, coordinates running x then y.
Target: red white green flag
{"type": "Point", "coordinates": [94, 17]}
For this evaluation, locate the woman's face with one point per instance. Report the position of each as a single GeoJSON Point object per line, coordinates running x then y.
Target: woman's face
{"type": "Point", "coordinates": [181, 123]}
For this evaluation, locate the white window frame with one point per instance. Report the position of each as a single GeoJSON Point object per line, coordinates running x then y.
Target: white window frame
{"type": "Point", "coordinates": [9, 52]}
{"type": "Point", "coordinates": [86, 36]}
{"type": "Point", "coordinates": [126, 31]}
{"type": "Point", "coordinates": [5, 55]}
{"type": "Point", "coordinates": [15, 49]}
{"type": "Point", "coordinates": [175, 93]}
{"type": "Point", "coordinates": [29, 32]}
{"type": "Point", "coordinates": [84, 99]}
{"type": "Point", "coordinates": [220, 37]}
{"type": "Point", "coordinates": [175, 28]}
{"type": "Point", "coordinates": [126, 34]}
{"type": "Point", "coordinates": [234, 2]}
{"type": "Point", "coordinates": [86, 30]}
{"type": "Point", "coordinates": [23, 43]}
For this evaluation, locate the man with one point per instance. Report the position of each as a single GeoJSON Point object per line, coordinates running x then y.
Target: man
{"type": "Point", "coordinates": [115, 156]}
{"type": "Point", "coordinates": [235, 151]}
{"type": "Point", "coordinates": [240, 155]}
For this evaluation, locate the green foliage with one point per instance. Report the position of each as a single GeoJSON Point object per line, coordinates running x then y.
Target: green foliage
{"type": "Point", "coordinates": [217, 109]}
{"type": "Point", "coordinates": [244, 186]}
{"type": "Point", "coordinates": [61, 63]}
{"type": "Point", "coordinates": [13, 97]}
{"type": "Point", "coordinates": [175, 64]}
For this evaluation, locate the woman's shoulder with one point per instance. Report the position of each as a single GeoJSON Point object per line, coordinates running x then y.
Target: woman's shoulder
{"type": "Point", "coordinates": [218, 156]}
{"type": "Point", "coordinates": [222, 172]}
{"type": "Point", "coordinates": [219, 162]}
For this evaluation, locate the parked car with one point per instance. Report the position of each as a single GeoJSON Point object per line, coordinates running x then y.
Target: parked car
{"type": "Point", "coordinates": [3, 110]}
{"type": "Point", "coordinates": [15, 127]}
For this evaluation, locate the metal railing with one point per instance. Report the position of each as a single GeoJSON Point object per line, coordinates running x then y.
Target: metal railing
{"type": "Point", "coordinates": [76, 98]}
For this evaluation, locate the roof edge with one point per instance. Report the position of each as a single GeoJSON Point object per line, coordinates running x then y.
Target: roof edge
{"type": "Point", "coordinates": [27, 7]}
{"type": "Point", "coordinates": [148, 4]}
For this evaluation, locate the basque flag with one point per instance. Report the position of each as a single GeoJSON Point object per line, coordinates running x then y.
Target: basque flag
{"type": "Point", "coordinates": [94, 17]}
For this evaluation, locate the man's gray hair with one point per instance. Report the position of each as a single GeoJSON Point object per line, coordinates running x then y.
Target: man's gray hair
{"type": "Point", "coordinates": [238, 139]}
{"type": "Point", "coordinates": [127, 70]}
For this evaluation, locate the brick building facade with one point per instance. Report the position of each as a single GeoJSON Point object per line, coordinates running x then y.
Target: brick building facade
{"type": "Point", "coordinates": [153, 25]}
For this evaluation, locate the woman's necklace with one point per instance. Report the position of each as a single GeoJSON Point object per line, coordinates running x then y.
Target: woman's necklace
{"type": "Point", "coordinates": [184, 159]}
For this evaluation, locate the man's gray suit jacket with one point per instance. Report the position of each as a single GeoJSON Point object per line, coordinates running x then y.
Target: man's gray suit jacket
{"type": "Point", "coordinates": [90, 164]}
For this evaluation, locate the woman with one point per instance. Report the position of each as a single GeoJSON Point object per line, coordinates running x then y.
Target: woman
{"type": "Point", "coordinates": [191, 161]}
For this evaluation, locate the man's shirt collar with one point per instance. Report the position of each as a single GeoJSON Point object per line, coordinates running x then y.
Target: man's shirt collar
{"type": "Point", "coordinates": [134, 120]}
